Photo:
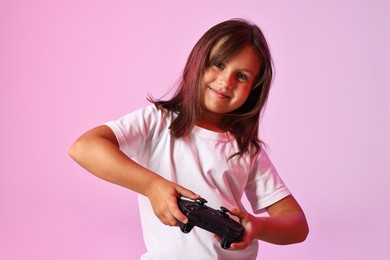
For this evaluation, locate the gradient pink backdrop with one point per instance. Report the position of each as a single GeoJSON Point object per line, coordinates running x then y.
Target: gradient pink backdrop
{"type": "Point", "coordinates": [67, 66]}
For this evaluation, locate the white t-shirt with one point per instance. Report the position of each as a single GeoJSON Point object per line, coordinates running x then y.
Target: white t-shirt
{"type": "Point", "coordinates": [199, 163]}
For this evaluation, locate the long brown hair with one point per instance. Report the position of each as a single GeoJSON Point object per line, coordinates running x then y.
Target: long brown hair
{"type": "Point", "coordinates": [243, 123]}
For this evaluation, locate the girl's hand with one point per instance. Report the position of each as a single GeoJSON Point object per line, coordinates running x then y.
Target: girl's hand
{"type": "Point", "coordinates": [286, 224]}
{"type": "Point", "coordinates": [252, 226]}
{"type": "Point", "coordinates": [163, 197]}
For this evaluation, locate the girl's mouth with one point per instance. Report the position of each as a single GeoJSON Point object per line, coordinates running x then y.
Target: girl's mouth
{"type": "Point", "coordinates": [219, 94]}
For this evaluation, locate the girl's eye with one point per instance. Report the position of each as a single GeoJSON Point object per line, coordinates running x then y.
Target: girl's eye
{"type": "Point", "coordinates": [219, 65]}
{"type": "Point", "coordinates": [242, 76]}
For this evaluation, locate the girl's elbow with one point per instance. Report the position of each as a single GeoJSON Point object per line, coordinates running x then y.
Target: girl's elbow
{"type": "Point", "coordinates": [304, 232]}
{"type": "Point", "coordinates": [75, 150]}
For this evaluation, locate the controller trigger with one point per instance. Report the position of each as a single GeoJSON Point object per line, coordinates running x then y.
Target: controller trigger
{"type": "Point", "coordinates": [202, 201]}
{"type": "Point", "coordinates": [224, 210]}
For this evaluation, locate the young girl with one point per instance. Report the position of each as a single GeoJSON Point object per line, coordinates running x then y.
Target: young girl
{"type": "Point", "coordinates": [203, 142]}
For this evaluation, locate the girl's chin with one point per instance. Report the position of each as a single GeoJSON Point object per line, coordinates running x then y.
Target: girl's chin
{"type": "Point", "coordinates": [216, 111]}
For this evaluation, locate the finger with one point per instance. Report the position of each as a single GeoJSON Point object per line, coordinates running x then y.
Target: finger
{"type": "Point", "coordinates": [168, 218]}
{"type": "Point", "coordinates": [218, 238]}
{"type": "Point", "coordinates": [238, 245]}
{"type": "Point", "coordinates": [187, 193]}
{"type": "Point", "coordinates": [243, 243]}
{"type": "Point", "coordinates": [238, 213]}
{"type": "Point", "coordinates": [176, 213]}
{"type": "Point", "coordinates": [172, 221]}
{"type": "Point", "coordinates": [233, 246]}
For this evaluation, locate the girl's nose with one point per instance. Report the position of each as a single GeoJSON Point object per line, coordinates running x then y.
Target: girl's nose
{"type": "Point", "coordinates": [226, 79]}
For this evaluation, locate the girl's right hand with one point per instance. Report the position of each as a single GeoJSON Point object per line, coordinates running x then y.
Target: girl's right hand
{"type": "Point", "coordinates": [163, 198]}
{"type": "Point", "coordinates": [98, 151]}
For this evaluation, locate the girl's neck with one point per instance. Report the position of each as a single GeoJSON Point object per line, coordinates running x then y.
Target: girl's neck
{"type": "Point", "coordinates": [212, 122]}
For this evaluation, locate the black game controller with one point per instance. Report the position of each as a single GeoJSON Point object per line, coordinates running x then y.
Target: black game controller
{"type": "Point", "coordinates": [215, 221]}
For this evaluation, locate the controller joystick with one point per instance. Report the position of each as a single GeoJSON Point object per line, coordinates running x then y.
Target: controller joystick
{"type": "Point", "coordinates": [215, 221]}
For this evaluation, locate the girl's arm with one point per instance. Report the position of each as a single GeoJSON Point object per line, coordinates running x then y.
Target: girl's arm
{"type": "Point", "coordinates": [98, 152]}
{"type": "Point", "coordinates": [286, 224]}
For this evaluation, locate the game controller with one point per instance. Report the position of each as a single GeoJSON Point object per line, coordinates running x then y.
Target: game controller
{"type": "Point", "coordinates": [212, 220]}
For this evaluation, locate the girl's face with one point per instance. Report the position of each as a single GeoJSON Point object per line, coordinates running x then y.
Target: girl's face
{"type": "Point", "coordinates": [226, 86]}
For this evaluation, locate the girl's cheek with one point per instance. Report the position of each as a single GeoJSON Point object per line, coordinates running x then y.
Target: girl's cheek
{"type": "Point", "coordinates": [208, 74]}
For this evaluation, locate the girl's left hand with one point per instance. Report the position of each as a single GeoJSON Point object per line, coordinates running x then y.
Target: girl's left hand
{"type": "Point", "coordinates": [252, 226]}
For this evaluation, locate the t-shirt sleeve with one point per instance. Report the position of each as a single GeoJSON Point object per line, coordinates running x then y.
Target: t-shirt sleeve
{"type": "Point", "coordinates": [135, 130]}
{"type": "Point", "coordinates": [265, 187]}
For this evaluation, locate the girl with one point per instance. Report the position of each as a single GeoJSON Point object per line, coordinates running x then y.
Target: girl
{"type": "Point", "coordinates": [204, 140]}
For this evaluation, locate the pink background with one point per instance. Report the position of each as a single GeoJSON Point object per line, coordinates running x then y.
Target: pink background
{"type": "Point", "coordinates": [67, 66]}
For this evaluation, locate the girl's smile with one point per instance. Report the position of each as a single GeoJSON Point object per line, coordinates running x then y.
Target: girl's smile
{"type": "Point", "coordinates": [220, 94]}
